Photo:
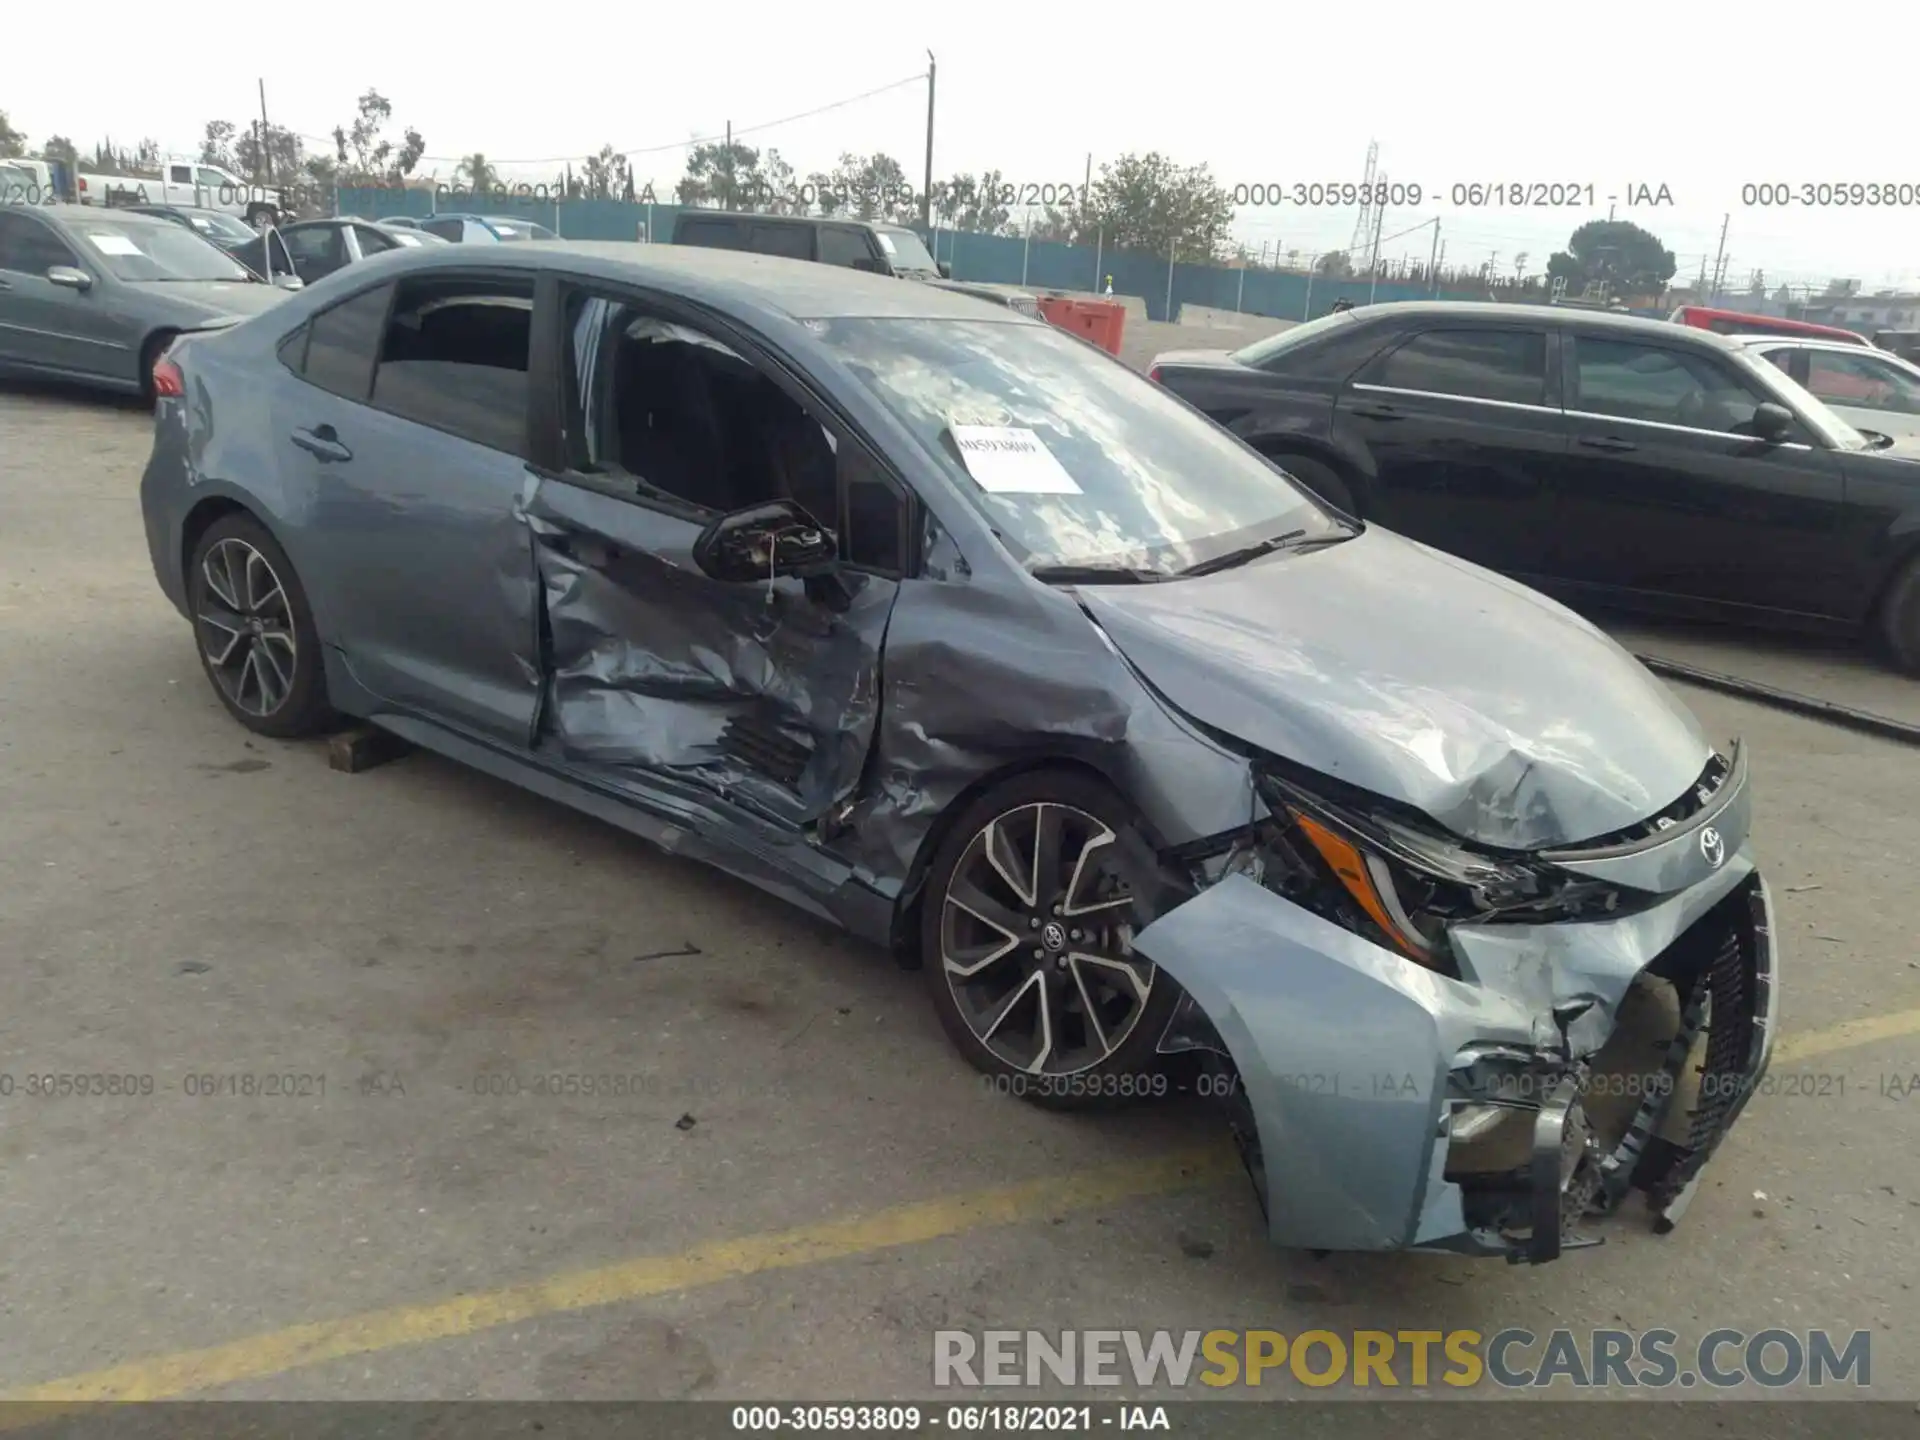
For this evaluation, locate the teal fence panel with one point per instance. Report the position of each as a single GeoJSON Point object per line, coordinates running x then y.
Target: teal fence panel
{"type": "Point", "coordinates": [994, 259]}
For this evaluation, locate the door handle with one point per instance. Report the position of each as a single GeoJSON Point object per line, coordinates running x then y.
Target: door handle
{"type": "Point", "coordinates": [1606, 442]}
{"type": "Point", "coordinates": [321, 442]}
{"type": "Point", "coordinates": [6, 284]}
{"type": "Point", "coordinates": [1376, 412]}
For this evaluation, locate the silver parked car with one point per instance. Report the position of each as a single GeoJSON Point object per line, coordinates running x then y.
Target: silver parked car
{"type": "Point", "coordinates": [944, 626]}
{"type": "Point", "coordinates": [96, 295]}
{"type": "Point", "coordinates": [1871, 389]}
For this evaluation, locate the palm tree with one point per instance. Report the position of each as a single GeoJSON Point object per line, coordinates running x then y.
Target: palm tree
{"type": "Point", "coordinates": [476, 174]}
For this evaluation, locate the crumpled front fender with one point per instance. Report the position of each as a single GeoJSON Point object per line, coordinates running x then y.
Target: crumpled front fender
{"type": "Point", "coordinates": [1347, 1055]}
{"type": "Point", "coordinates": [1343, 1049]}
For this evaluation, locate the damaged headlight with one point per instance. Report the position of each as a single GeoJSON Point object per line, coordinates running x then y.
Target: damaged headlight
{"type": "Point", "coordinates": [1395, 881]}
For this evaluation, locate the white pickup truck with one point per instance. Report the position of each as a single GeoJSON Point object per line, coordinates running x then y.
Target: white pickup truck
{"type": "Point", "coordinates": [188, 182]}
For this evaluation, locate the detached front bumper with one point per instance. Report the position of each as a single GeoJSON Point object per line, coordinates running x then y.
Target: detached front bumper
{"type": "Point", "coordinates": [1384, 1106]}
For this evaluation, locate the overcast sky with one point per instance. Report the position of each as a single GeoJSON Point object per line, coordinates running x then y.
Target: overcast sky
{"type": "Point", "coordinates": [1700, 98]}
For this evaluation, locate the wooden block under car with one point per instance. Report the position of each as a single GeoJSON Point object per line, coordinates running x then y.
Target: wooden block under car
{"type": "Point", "coordinates": [364, 747]}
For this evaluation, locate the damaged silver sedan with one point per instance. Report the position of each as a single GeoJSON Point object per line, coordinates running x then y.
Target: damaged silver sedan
{"type": "Point", "coordinates": [949, 628]}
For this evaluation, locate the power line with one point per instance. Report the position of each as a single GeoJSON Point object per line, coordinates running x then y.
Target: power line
{"type": "Point", "coordinates": [738, 131]}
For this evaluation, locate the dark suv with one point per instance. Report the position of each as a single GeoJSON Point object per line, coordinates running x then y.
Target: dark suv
{"type": "Point", "coordinates": [870, 245]}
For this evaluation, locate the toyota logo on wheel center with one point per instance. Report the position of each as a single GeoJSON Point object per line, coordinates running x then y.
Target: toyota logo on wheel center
{"type": "Point", "coordinates": [1054, 936]}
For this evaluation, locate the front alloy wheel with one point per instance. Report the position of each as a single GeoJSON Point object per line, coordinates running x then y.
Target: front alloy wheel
{"type": "Point", "coordinates": [1034, 946]}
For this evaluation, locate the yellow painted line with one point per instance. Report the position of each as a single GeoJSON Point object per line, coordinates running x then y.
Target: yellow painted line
{"type": "Point", "coordinates": [167, 1376]}
{"type": "Point", "coordinates": [1846, 1035]}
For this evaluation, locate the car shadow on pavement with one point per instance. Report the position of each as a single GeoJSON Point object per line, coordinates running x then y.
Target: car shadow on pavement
{"type": "Point", "coordinates": [60, 390]}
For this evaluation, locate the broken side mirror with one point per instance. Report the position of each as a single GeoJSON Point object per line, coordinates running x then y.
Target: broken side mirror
{"type": "Point", "coordinates": [764, 542]}
{"type": "Point", "coordinates": [1772, 422]}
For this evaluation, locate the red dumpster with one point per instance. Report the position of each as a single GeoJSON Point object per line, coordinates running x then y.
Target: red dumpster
{"type": "Point", "coordinates": [1098, 321]}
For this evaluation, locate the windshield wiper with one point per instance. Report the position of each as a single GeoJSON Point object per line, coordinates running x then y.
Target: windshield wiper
{"type": "Point", "coordinates": [1096, 575]}
{"type": "Point", "coordinates": [1292, 540]}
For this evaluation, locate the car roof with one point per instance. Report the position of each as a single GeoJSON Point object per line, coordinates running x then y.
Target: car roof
{"type": "Point", "coordinates": [733, 280]}
{"type": "Point", "coordinates": [1545, 314]}
{"type": "Point", "coordinates": [94, 214]}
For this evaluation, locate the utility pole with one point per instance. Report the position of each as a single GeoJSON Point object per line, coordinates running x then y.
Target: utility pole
{"type": "Point", "coordinates": [926, 189]}
{"type": "Point", "coordinates": [266, 134]}
{"type": "Point", "coordinates": [1433, 257]}
{"type": "Point", "coordinates": [1718, 258]}
{"type": "Point", "coordinates": [1440, 260]}
{"type": "Point", "coordinates": [1379, 219]}
{"type": "Point", "coordinates": [1086, 185]}
{"type": "Point", "coordinates": [726, 173]}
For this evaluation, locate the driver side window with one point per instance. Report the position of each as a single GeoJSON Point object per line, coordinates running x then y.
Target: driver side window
{"type": "Point", "coordinates": [1667, 387]}
{"type": "Point", "coordinates": [683, 418]}
{"type": "Point", "coordinates": [29, 248]}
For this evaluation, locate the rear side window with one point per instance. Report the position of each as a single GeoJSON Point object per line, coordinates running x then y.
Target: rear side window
{"type": "Point", "coordinates": [793, 241]}
{"type": "Point", "coordinates": [455, 357]}
{"type": "Point", "coordinates": [343, 342]}
{"type": "Point", "coordinates": [843, 247]}
{"type": "Point", "coordinates": [1506, 365]}
{"type": "Point", "coordinates": [714, 234]}
{"type": "Point", "coordinates": [445, 229]}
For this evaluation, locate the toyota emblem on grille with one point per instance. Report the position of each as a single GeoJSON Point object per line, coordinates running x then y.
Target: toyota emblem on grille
{"type": "Point", "coordinates": [1712, 846]}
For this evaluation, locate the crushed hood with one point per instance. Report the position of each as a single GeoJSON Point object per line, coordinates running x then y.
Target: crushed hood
{"type": "Point", "coordinates": [1498, 713]}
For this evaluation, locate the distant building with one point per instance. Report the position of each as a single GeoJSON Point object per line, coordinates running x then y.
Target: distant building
{"type": "Point", "coordinates": [1886, 311]}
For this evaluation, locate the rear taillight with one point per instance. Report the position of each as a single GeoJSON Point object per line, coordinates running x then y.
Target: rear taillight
{"type": "Point", "coordinates": [1153, 374]}
{"type": "Point", "coordinates": [167, 379]}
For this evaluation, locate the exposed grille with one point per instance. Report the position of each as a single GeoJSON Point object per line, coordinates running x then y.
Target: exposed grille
{"type": "Point", "coordinates": [1730, 1022]}
{"type": "Point", "coordinates": [1718, 960]}
{"type": "Point", "coordinates": [1698, 795]}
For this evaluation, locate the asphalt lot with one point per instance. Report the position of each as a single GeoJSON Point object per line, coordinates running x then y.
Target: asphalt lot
{"type": "Point", "coordinates": [806, 1182]}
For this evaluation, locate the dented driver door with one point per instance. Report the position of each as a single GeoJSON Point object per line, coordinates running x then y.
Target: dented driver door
{"type": "Point", "coordinates": [763, 693]}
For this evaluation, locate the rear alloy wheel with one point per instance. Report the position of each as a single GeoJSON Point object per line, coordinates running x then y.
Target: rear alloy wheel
{"type": "Point", "coordinates": [1900, 618]}
{"type": "Point", "coordinates": [255, 632]}
{"type": "Point", "coordinates": [1028, 946]}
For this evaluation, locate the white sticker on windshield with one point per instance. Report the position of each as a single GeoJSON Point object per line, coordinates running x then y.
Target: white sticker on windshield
{"type": "Point", "coordinates": [1007, 460]}
{"type": "Point", "coordinates": [108, 243]}
{"type": "Point", "coordinates": [886, 242]}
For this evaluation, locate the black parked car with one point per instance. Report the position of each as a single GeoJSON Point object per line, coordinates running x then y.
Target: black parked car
{"type": "Point", "coordinates": [312, 249]}
{"type": "Point", "coordinates": [1618, 459]}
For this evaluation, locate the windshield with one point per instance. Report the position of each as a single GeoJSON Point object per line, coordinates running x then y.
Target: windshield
{"type": "Point", "coordinates": [1823, 422]}
{"type": "Point", "coordinates": [1073, 458]}
{"type": "Point", "coordinates": [905, 252]}
{"type": "Point", "coordinates": [212, 222]}
{"type": "Point", "coordinates": [156, 252]}
{"type": "Point", "coordinates": [1262, 351]}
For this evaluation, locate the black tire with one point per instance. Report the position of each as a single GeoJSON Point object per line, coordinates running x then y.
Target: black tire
{"type": "Point", "coordinates": [254, 631]}
{"type": "Point", "coordinates": [1318, 478]}
{"type": "Point", "coordinates": [1053, 975]}
{"type": "Point", "coordinates": [1900, 618]}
